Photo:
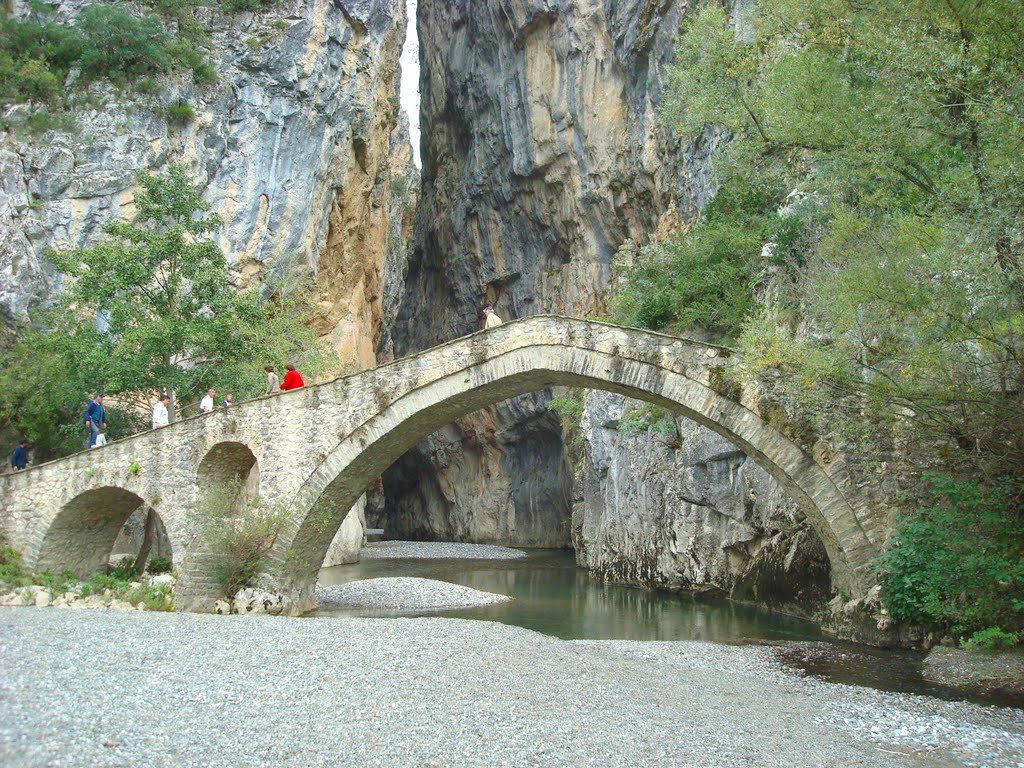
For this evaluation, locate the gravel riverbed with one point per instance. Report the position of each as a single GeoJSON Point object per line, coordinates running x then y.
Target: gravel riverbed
{"type": "Point", "coordinates": [437, 550]}
{"type": "Point", "coordinates": [98, 688]}
{"type": "Point", "coordinates": [403, 594]}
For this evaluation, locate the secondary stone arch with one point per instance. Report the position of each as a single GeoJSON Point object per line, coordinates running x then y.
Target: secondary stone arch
{"type": "Point", "coordinates": [325, 498]}
{"type": "Point", "coordinates": [82, 535]}
{"type": "Point", "coordinates": [227, 463]}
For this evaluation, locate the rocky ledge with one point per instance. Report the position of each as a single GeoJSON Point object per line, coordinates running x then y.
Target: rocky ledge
{"type": "Point", "coordinates": [404, 594]}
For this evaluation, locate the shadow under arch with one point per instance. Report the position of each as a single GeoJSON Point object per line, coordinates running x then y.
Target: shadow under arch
{"type": "Point", "coordinates": [324, 499]}
{"type": "Point", "coordinates": [80, 539]}
{"type": "Point", "coordinates": [228, 463]}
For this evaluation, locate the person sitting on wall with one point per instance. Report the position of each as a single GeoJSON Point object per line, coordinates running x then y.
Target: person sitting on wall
{"type": "Point", "coordinates": [491, 320]}
{"type": "Point", "coordinates": [19, 456]}
{"type": "Point", "coordinates": [292, 379]}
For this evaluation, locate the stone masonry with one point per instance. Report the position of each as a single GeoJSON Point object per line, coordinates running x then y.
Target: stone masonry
{"type": "Point", "coordinates": [317, 449]}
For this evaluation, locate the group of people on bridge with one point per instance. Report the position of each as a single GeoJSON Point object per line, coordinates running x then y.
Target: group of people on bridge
{"type": "Point", "coordinates": [95, 418]}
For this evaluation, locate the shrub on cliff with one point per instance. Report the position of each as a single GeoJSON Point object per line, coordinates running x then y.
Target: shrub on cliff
{"type": "Point", "coordinates": [106, 42]}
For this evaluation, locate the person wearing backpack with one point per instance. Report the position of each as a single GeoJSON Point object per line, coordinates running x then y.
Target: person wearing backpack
{"type": "Point", "coordinates": [95, 417]}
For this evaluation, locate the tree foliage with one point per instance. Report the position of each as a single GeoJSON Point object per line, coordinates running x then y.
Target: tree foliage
{"type": "Point", "coordinates": [151, 308]}
{"type": "Point", "coordinates": [111, 42]}
{"type": "Point", "coordinates": [899, 127]}
{"type": "Point", "coordinates": [958, 565]}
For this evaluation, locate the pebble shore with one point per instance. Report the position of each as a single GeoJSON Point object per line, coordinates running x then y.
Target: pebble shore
{"type": "Point", "coordinates": [100, 688]}
{"type": "Point", "coordinates": [437, 550]}
{"type": "Point", "coordinates": [404, 594]}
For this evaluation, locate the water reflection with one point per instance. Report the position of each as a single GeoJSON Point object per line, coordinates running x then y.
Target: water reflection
{"type": "Point", "coordinates": [555, 597]}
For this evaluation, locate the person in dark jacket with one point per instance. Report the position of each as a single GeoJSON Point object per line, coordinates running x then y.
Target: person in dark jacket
{"type": "Point", "coordinates": [292, 379]}
{"type": "Point", "coordinates": [95, 417]}
{"type": "Point", "coordinates": [19, 456]}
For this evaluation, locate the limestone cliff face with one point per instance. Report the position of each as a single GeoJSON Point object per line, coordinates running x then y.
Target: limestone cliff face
{"type": "Point", "coordinates": [541, 155]}
{"type": "Point", "coordinates": [297, 147]}
{"type": "Point", "coordinates": [683, 509]}
{"type": "Point", "coordinates": [291, 146]}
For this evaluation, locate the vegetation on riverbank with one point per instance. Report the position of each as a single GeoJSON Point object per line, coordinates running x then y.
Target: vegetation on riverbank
{"type": "Point", "coordinates": [242, 541]}
{"type": "Point", "coordinates": [870, 202]}
{"type": "Point", "coordinates": [121, 584]}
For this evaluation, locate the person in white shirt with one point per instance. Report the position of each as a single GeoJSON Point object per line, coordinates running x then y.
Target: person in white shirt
{"type": "Point", "coordinates": [206, 404]}
{"type": "Point", "coordinates": [160, 412]}
{"type": "Point", "coordinates": [101, 437]}
{"type": "Point", "coordinates": [491, 320]}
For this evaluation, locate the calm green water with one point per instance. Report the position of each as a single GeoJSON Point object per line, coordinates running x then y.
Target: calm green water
{"type": "Point", "coordinates": [555, 597]}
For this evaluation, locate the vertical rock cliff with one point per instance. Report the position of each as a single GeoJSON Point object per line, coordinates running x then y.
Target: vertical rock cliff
{"type": "Point", "coordinates": [542, 155]}
{"type": "Point", "coordinates": [291, 146]}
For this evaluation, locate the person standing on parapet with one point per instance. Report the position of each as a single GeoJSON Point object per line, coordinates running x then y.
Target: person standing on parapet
{"type": "Point", "coordinates": [19, 456]}
{"type": "Point", "coordinates": [273, 387]}
{"type": "Point", "coordinates": [491, 320]}
{"type": "Point", "coordinates": [292, 379]}
{"type": "Point", "coordinates": [95, 417]}
{"type": "Point", "coordinates": [160, 416]}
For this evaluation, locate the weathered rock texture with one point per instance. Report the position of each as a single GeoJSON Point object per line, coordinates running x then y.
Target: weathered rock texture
{"type": "Point", "coordinates": [295, 147]}
{"type": "Point", "coordinates": [681, 508]}
{"type": "Point", "coordinates": [541, 155]}
{"type": "Point", "coordinates": [292, 147]}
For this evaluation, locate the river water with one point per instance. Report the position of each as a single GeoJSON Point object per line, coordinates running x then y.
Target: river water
{"type": "Point", "coordinates": [555, 597]}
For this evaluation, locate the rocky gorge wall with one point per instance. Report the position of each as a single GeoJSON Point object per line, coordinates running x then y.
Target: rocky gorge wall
{"type": "Point", "coordinates": [542, 155]}
{"type": "Point", "coordinates": [298, 147]}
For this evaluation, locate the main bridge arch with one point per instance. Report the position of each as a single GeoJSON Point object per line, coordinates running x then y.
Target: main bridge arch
{"type": "Point", "coordinates": [501, 364]}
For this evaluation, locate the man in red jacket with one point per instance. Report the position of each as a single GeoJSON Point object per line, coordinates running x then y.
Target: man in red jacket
{"type": "Point", "coordinates": [292, 379]}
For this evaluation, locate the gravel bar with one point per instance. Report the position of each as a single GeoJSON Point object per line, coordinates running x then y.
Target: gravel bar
{"type": "Point", "coordinates": [99, 688]}
{"type": "Point", "coordinates": [404, 594]}
{"type": "Point", "coordinates": [437, 550]}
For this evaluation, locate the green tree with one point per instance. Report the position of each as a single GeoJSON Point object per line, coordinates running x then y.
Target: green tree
{"type": "Point", "coordinates": [900, 126]}
{"type": "Point", "coordinates": [897, 319]}
{"type": "Point", "coordinates": [958, 565]}
{"type": "Point", "coordinates": [150, 308]}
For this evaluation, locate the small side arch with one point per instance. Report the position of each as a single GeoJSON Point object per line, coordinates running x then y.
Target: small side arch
{"type": "Point", "coordinates": [82, 535]}
{"type": "Point", "coordinates": [228, 463]}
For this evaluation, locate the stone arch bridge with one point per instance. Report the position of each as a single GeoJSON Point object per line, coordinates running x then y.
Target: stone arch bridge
{"type": "Point", "coordinates": [318, 448]}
